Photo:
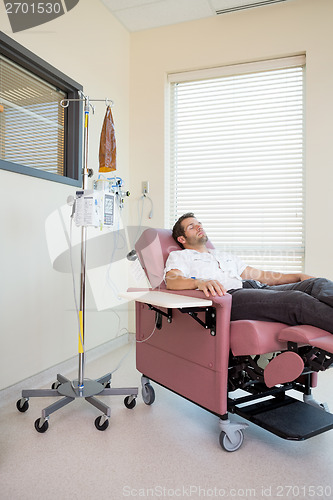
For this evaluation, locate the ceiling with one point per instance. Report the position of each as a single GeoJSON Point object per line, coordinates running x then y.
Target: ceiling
{"type": "Point", "coordinates": [137, 15]}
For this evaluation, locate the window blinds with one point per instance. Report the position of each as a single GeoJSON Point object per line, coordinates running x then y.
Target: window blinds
{"type": "Point", "coordinates": [31, 120]}
{"type": "Point", "coordinates": [237, 159]}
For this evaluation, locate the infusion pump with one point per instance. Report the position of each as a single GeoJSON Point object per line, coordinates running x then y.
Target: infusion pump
{"type": "Point", "coordinates": [95, 208]}
{"type": "Point", "coordinates": [99, 207]}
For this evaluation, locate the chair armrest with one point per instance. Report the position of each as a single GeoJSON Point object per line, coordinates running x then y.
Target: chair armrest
{"type": "Point", "coordinates": [223, 301]}
{"type": "Point", "coordinates": [166, 300]}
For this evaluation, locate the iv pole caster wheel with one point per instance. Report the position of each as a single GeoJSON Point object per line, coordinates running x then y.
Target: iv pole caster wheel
{"type": "Point", "coordinates": [101, 426]}
{"type": "Point", "coordinates": [41, 428]}
{"type": "Point", "coordinates": [22, 405]}
{"type": "Point", "coordinates": [228, 445]}
{"type": "Point", "coordinates": [130, 404]}
{"type": "Point", "coordinates": [148, 394]}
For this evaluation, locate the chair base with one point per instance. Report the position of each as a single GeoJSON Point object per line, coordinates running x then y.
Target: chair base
{"type": "Point", "coordinates": [71, 391]}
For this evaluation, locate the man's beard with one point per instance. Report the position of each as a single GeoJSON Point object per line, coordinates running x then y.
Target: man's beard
{"type": "Point", "coordinates": [201, 240]}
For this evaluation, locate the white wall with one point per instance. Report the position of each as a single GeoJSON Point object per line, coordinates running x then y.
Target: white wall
{"type": "Point", "coordinates": [38, 323]}
{"type": "Point", "coordinates": [300, 26]}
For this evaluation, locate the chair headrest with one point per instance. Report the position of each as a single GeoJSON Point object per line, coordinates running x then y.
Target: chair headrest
{"type": "Point", "coordinates": [153, 248]}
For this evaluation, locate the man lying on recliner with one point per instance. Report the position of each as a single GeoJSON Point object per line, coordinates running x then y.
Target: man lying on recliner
{"type": "Point", "coordinates": [293, 299]}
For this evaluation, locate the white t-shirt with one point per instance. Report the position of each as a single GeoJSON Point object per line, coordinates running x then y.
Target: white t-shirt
{"type": "Point", "coordinates": [221, 266]}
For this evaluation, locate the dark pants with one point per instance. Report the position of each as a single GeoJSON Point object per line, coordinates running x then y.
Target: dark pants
{"type": "Point", "coordinates": [308, 302]}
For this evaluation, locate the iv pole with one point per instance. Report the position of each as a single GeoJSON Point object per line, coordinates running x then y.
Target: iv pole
{"type": "Point", "coordinates": [87, 104]}
{"type": "Point", "coordinates": [83, 253]}
{"type": "Point", "coordinates": [87, 389]}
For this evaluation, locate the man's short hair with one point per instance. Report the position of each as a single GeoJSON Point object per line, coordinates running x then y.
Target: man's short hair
{"type": "Point", "coordinates": [178, 229]}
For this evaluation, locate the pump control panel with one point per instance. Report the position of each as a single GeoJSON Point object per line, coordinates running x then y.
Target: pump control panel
{"type": "Point", "coordinates": [94, 208]}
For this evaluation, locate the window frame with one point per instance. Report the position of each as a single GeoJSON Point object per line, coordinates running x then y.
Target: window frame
{"type": "Point", "coordinates": [73, 114]}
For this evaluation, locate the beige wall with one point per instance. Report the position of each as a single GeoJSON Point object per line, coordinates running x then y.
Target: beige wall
{"type": "Point", "coordinates": [300, 26]}
{"type": "Point", "coordinates": [38, 323]}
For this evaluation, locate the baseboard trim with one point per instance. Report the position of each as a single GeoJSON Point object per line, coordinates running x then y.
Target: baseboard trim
{"type": "Point", "coordinates": [46, 377]}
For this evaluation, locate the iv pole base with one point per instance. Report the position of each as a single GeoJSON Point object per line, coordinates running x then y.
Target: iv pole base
{"type": "Point", "coordinates": [70, 391]}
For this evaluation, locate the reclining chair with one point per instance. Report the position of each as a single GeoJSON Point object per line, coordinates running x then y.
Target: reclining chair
{"type": "Point", "coordinates": [188, 344]}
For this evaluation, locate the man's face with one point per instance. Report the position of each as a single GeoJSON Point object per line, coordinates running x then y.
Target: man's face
{"type": "Point", "coordinates": [194, 233]}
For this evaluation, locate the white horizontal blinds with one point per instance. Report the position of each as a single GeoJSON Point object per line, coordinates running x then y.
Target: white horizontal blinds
{"type": "Point", "coordinates": [32, 121]}
{"type": "Point", "coordinates": [237, 162]}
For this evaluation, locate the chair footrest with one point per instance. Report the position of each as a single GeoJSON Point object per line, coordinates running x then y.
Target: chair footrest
{"type": "Point", "coordinates": [248, 337]}
{"type": "Point", "coordinates": [290, 418]}
{"type": "Point", "coordinates": [306, 334]}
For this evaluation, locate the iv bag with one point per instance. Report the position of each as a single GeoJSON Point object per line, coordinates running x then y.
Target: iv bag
{"type": "Point", "coordinates": [107, 146]}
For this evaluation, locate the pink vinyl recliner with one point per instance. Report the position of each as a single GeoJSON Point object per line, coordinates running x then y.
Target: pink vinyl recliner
{"type": "Point", "coordinates": [198, 353]}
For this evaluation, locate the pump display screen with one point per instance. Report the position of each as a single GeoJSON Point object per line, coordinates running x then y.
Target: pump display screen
{"type": "Point", "coordinates": [108, 209]}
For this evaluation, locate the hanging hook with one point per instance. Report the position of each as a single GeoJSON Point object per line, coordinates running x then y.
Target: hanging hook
{"type": "Point", "coordinates": [64, 103]}
{"type": "Point", "coordinates": [109, 102]}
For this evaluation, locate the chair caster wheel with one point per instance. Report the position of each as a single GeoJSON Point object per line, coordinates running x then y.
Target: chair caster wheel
{"type": "Point", "coordinates": [22, 405]}
{"type": "Point", "coordinates": [101, 426]}
{"type": "Point", "coordinates": [130, 404]}
{"type": "Point", "coordinates": [228, 445]}
{"type": "Point", "coordinates": [55, 385]}
{"type": "Point", "coordinates": [148, 394]}
{"type": "Point", "coordinates": [41, 428]}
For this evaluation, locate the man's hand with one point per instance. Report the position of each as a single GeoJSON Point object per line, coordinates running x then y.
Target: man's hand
{"type": "Point", "coordinates": [176, 281]}
{"type": "Point", "coordinates": [210, 286]}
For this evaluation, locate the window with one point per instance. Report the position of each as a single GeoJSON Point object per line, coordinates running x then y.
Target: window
{"type": "Point", "coordinates": [237, 159]}
{"type": "Point", "coordinates": [38, 136]}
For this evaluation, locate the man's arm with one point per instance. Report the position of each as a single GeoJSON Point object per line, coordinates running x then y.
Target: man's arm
{"type": "Point", "coordinates": [272, 278]}
{"type": "Point", "coordinates": [175, 280]}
